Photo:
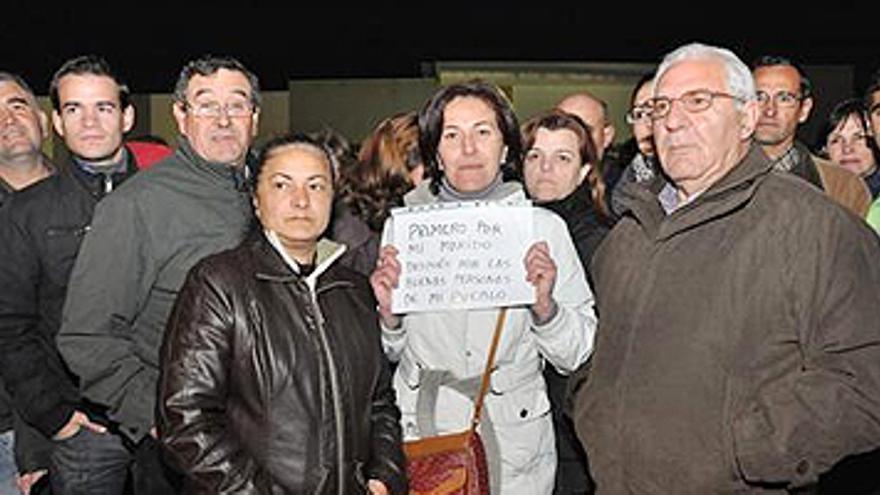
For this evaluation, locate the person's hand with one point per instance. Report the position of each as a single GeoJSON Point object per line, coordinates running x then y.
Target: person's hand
{"type": "Point", "coordinates": [78, 420]}
{"type": "Point", "coordinates": [541, 273]}
{"type": "Point", "coordinates": [376, 487]}
{"type": "Point", "coordinates": [25, 481]}
{"type": "Point", "coordinates": [384, 279]}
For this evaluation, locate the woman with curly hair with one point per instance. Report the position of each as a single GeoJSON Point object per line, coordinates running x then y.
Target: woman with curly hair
{"type": "Point", "coordinates": [388, 166]}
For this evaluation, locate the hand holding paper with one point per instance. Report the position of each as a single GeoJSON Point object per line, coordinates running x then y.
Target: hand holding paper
{"type": "Point", "coordinates": [541, 272]}
{"type": "Point", "coordinates": [384, 280]}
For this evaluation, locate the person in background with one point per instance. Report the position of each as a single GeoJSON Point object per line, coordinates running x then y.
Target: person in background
{"type": "Point", "coordinates": [560, 174]}
{"type": "Point", "coordinates": [291, 340]}
{"type": "Point", "coordinates": [785, 99]}
{"type": "Point", "coordinates": [471, 146]}
{"type": "Point", "coordinates": [639, 154]}
{"type": "Point", "coordinates": [594, 112]}
{"type": "Point", "coordinates": [23, 126]}
{"type": "Point", "coordinates": [850, 143]}
{"type": "Point", "coordinates": [387, 167]}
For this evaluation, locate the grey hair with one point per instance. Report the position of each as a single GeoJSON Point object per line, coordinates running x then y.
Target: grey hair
{"type": "Point", "coordinates": [740, 82]}
{"type": "Point", "coordinates": [21, 83]}
{"type": "Point", "coordinates": [208, 65]}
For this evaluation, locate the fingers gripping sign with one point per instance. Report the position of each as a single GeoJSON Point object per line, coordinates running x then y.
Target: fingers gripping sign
{"type": "Point", "coordinates": [384, 280]}
{"type": "Point", "coordinates": [541, 273]}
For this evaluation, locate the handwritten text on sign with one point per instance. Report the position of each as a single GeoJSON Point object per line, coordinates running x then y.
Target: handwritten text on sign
{"type": "Point", "coordinates": [462, 255]}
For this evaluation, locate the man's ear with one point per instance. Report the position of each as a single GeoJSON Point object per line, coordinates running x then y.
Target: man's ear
{"type": "Point", "coordinates": [256, 204]}
{"type": "Point", "coordinates": [748, 119]}
{"type": "Point", "coordinates": [806, 108]}
{"type": "Point", "coordinates": [57, 123]}
{"type": "Point", "coordinates": [179, 112]}
{"type": "Point", "coordinates": [44, 124]}
{"type": "Point", "coordinates": [608, 132]}
{"type": "Point", "coordinates": [127, 118]}
{"type": "Point", "coordinates": [255, 122]}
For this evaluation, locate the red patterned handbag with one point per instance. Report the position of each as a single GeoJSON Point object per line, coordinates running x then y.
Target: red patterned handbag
{"type": "Point", "coordinates": [454, 464]}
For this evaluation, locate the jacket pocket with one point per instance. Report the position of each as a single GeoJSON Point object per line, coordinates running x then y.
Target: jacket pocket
{"type": "Point", "coordinates": [62, 246]}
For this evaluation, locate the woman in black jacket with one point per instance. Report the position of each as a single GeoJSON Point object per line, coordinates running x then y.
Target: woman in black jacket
{"type": "Point", "coordinates": [273, 379]}
{"type": "Point", "coordinates": [560, 174]}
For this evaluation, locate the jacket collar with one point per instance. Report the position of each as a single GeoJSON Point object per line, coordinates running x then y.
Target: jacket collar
{"type": "Point", "coordinates": [576, 205]}
{"type": "Point", "coordinates": [806, 167]}
{"type": "Point", "coordinates": [94, 183]}
{"type": "Point", "coordinates": [730, 192]}
{"type": "Point", "coordinates": [218, 172]}
{"type": "Point", "coordinates": [273, 264]}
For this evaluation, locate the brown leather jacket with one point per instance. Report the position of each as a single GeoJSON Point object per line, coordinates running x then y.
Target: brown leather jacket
{"type": "Point", "coordinates": [274, 382]}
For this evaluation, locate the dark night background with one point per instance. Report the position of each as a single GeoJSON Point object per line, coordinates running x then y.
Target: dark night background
{"type": "Point", "coordinates": [148, 42]}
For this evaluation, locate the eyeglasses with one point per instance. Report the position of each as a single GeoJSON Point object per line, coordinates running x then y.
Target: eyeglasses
{"type": "Point", "coordinates": [696, 101]}
{"type": "Point", "coordinates": [638, 113]}
{"type": "Point", "coordinates": [782, 99]}
{"type": "Point", "coordinates": [213, 109]}
{"type": "Point", "coordinates": [839, 140]}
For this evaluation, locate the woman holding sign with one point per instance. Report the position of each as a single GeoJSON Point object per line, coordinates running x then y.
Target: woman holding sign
{"type": "Point", "coordinates": [470, 144]}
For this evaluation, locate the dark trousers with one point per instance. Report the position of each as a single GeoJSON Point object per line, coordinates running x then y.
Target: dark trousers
{"type": "Point", "coordinates": [97, 464]}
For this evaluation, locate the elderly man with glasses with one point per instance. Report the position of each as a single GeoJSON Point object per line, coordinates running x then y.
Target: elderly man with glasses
{"type": "Point", "coordinates": [145, 238]}
{"type": "Point", "coordinates": [731, 354]}
{"type": "Point", "coordinates": [785, 100]}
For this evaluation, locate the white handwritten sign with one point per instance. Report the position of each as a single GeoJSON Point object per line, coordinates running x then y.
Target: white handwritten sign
{"type": "Point", "coordinates": [462, 255]}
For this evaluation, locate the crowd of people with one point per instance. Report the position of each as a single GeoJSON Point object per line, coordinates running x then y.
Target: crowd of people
{"type": "Point", "coordinates": [217, 318]}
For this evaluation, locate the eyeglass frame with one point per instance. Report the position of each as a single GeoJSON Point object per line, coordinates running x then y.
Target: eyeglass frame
{"type": "Point", "coordinates": [796, 98]}
{"type": "Point", "coordinates": [632, 119]}
{"type": "Point", "coordinates": [711, 95]}
{"type": "Point", "coordinates": [217, 109]}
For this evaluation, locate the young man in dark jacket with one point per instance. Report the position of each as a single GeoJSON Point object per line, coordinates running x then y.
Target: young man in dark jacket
{"type": "Point", "coordinates": [738, 344]}
{"type": "Point", "coordinates": [146, 237]}
{"type": "Point", "coordinates": [42, 227]}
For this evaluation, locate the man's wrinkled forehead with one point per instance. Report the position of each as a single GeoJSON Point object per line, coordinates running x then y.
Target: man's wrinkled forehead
{"type": "Point", "coordinates": [691, 74]}
{"type": "Point", "coordinates": [769, 76]}
{"type": "Point", "coordinates": [222, 83]}
{"type": "Point", "coordinates": [11, 92]}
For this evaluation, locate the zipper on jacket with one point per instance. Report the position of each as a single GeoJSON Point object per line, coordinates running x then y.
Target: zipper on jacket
{"type": "Point", "coordinates": [63, 231]}
{"type": "Point", "coordinates": [334, 392]}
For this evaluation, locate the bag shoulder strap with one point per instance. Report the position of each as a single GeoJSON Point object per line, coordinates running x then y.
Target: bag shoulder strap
{"type": "Point", "coordinates": [490, 363]}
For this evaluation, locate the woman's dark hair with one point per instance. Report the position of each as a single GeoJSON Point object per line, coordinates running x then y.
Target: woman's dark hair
{"type": "Point", "coordinates": [555, 120]}
{"type": "Point", "coordinates": [380, 178]}
{"type": "Point", "coordinates": [644, 79]}
{"type": "Point", "coordinates": [431, 126]}
{"type": "Point", "coordinates": [267, 150]}
{"type": "Point", "coordinates": [839, 114]}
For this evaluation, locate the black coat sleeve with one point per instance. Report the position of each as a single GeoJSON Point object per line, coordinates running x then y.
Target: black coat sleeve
{"type": "Point", "coordinates": [387, 462]}
{"type": "Point", "coordinates": [40, 388]}
{"type": "Point", "coordinates": [195, 360]}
